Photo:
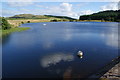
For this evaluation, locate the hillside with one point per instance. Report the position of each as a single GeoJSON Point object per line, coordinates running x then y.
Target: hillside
{"type": "Point", "coordinates": [109, 15]}
{"type": "Point", "coordinates": [31, 16]}
{"type": "Point", "coordinates": [62, 17]}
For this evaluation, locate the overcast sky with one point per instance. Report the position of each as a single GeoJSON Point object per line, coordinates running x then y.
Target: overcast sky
{"type": "Point", "coordinates": [71, 9]}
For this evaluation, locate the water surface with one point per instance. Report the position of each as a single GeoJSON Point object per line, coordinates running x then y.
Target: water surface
{"type": "Point", "coordinates": [49, 51]}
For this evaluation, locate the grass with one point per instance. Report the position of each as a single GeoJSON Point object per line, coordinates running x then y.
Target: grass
{"type": "Point", "coordinates": [18, 29]}
{"type": "Point", "coordinates": [18, 22]}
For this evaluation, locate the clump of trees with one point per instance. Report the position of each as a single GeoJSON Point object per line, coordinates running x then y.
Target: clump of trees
{"type": "Point", "coordinates": [5, 24]}
{"type": "Point", "coordinates": [28, 21]}
{"type": "Point", "coordinates": [64, 20]}
{"type": "Point", "coordinates": [109, 15]}
{"type": "Point", "coordinates": [54, 20]}
{"type": "Point", "coordinates": [22, 22]}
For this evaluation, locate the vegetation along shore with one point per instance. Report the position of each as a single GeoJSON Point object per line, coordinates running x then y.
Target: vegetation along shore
{"type": "Point", "coordinates": [7, 28]}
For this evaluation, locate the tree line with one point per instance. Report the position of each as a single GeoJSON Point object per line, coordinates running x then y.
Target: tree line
{"type": "Point", "coordinates": [109, 15]}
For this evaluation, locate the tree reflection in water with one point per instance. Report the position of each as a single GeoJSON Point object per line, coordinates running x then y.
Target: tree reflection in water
{"type": "Point", "coordinates": [5, 39]}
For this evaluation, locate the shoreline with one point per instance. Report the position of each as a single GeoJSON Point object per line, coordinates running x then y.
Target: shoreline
{"type": "Point", "coordinates": [101, 74]}
{"type": "Point", "coordinates": [112, 73]}
{"type": "Point", "coordinates": [18, 22]}
{"type": "Point", "coordinates": [94, 21]}
{"type": "Point", "coordinates": [17, 29]}
{"type": "Point", "coordinates": [15, 23]}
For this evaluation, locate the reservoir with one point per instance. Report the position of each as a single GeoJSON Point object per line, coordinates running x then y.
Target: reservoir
{"type": "Point", "coordinates": [49, 49]}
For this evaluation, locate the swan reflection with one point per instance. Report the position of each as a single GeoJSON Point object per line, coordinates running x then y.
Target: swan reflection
{"type": "Point", "coordinates": [53, 59]}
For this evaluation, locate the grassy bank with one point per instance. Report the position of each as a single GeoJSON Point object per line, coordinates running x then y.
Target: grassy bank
{"type": "Point", "coordinates": [18, 22]}
{"type": "Point", "coordinates": [95, 21]}
{"type": "Point", "coordinates": [18, 29]}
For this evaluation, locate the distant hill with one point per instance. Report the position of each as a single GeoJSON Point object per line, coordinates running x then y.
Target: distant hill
{"type": "Point", "coordinates": [63, 17]}
{"type": "Point", "coordinates": [109, 15]}
{"type": "Point", "coordinates": [31, 16]}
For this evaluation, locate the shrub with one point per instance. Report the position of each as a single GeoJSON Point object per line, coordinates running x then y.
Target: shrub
{"type": "Point", "coordinates": [28, 21]}
{"type": "Point", "coordinates": [5, 24]}
{"type": "Point", "coordinates": [22, 22]}
{"type": "Point", "coordinates": [54, 20]}
{"type": "Point", "coordinates": [71, 20]}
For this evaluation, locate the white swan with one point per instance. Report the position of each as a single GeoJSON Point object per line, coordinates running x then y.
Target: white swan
{"type": "Point", "coordinates": [44, 24]}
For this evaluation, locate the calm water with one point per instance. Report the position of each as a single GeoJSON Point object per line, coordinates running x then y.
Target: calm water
{"type": "Point", "coordinates": [49, 51]}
